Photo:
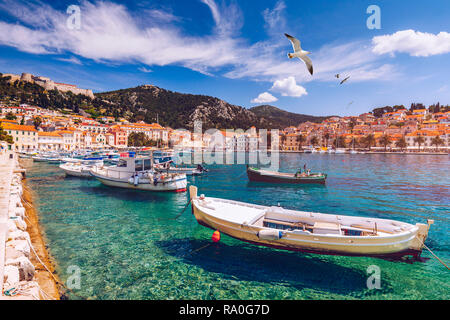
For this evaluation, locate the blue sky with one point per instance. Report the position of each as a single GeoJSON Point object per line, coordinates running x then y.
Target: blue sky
{"type": "Point", "coordinates": [236, 50]}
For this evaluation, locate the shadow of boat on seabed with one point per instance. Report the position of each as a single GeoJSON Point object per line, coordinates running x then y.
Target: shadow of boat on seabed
{"type": "Point", "coordinates": [269, 266]}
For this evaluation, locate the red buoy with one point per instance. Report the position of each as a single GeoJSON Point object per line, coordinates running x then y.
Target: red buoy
{"type": "Point", "coordinates": [216, 236]}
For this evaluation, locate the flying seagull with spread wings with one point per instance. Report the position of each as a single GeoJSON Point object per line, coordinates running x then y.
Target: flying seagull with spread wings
{"type": "Point", "coordinates": [299, 53]}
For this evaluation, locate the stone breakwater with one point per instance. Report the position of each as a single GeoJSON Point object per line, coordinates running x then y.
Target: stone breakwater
{"type": "Point", "coordinates": [20, 275]}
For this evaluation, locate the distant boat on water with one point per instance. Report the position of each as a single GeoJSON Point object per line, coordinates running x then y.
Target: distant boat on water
{"type": "Point", "coordinates": [261, 175]}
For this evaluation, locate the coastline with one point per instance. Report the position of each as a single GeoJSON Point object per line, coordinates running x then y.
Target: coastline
{"type": "Point", "coordinates": [45, 280]}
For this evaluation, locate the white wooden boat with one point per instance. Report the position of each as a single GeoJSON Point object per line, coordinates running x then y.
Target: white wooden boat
{"type": "Point", "coordinates": [138, 173]}
{"type": "Point", "coordinates": [310, 232]}
{"type": "Point", "coordinates": [80, 169]}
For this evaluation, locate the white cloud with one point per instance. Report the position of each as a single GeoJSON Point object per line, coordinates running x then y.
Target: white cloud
{"type": "Point", "coordinates": [288, 88]}
{"type": "Point", "coordinates": [73, 60]}
{"type": "Point", "coordinates": [275, 21]}
{"type": "Point", "coordinates": [111, 34]}
{"type": "Point", "coordinates": [144, 69]}
{"type": "Point", "coordinates": [414, 43]}
{"type": "Point", "coordinates": [264, 97]}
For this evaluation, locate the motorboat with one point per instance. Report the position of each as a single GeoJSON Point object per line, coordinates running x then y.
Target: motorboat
{"type": "Point", "coordinates": [81, 168]}
{"type": "Point", "coordinates": [261, 175]}
{"type": "Point", "coordinates": [311, 232]}
{"type": "Point", "coordinates": [139, 173]}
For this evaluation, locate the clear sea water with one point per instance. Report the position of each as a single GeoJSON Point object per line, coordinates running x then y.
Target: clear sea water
{"type": "Point", "coordinates": [127, 244]}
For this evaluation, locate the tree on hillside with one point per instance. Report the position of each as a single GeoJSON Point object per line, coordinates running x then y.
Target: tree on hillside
{"type": "Point", "coordinates": [37, 121]}
{"type": "Point", "coordinates": [419, 140]}
{"type": "Point", "coordinates": [437, 141]}
{"type": "Point", "coordinates": [385, 140]}
{"type": "Point", "coordinates": [10, 116]}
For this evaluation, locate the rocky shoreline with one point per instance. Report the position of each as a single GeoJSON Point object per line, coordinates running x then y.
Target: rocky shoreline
{"type": "Point", "coordinates": [26, 260]}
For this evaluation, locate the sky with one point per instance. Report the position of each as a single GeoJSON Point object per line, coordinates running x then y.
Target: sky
{"type": "Point", "coordinates": [236, 49]}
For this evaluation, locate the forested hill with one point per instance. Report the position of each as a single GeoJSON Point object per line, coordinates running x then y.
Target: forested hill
{"type": "Point", "coordinates": [277, 118]}
{"type": "Point", "coordinates": [179, 110]}
{"type": "Point", "coordinates": [150, 103]}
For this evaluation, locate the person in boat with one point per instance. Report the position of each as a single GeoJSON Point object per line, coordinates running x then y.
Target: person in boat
{"type": "Point", "coordinates": [299, 173]}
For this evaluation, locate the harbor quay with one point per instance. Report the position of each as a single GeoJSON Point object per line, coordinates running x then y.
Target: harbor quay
{"type": "Point", "coordinates": [23, 274]}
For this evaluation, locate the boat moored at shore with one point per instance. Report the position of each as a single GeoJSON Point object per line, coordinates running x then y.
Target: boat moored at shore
{"type": "Point", "coordinates": [319, 233]}
{"type": "Point", "coordinates": [138, 173]}
{"type": "Point", "coordinates": [80, 169]}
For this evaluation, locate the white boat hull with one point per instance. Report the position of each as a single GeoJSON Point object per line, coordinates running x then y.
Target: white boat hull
{"type": "Point", "coordinates": [76, 172]}
{"type": "Point", "coordinates": [176, 185]}
{"type": "Point", "coordinates": [225, 216]}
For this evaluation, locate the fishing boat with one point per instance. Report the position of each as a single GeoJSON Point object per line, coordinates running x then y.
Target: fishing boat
{"type": "Point", "coordinates": [261, 175]}
{"type": "Point", "coordinates": [47, 157]}
{"type": "Point", "coordinates": [319, 233]}
{"type": "Point", "coordinates": [80, 169]}
{"type": "Point", "coordinates": [139, 173]}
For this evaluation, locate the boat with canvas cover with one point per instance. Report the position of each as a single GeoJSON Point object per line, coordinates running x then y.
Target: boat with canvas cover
{"type": "Point", "coordinates": [261, 175]}
{"type": "Point", "coordinates": [138, 173]}
{"type": "Point", "coordinates": [311, 232]}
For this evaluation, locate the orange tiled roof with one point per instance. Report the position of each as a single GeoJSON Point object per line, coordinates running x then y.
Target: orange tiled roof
{"type": "Point", "coordinates": [48, 134]}
{"type": "Point", "coordinates": [11, 126]}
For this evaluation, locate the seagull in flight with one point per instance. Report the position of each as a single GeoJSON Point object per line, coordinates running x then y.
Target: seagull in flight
{"type": "Point", "coordinates": [300, 53]}
{"type": "Point", "coordinates": [345, 79]}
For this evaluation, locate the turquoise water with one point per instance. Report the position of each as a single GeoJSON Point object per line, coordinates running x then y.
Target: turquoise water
{"type": "Point", "coordinates": [127, 247]}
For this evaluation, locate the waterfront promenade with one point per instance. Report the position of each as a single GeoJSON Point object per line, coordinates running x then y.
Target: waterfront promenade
{"type": "Point", "coordinates": [20, 273]}
{"type": "Point", "coordinates": [7, 165]}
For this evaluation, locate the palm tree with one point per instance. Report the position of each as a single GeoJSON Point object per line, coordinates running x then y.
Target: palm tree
{"type": "Point", "coordinates": [283, 141]}
{"type": "Point", "coordinates": [314, 141]}
{"type": "Point", "coordinates": [419, 140]}
{"type": "Point", "coordinates": [437, 141]}
{"type": "Point", "coordinates": [385, 140]}
{"type": "Point", "coordinates": [370, 140]}
{"type": "Point", "coordinates": [327, 137]}
{"type": "Point", "coordinates": [339, 142]}
{"type": "Point", "coordinates": [300, 140]}
{"type": "Point", "coordinates": [401, 143]}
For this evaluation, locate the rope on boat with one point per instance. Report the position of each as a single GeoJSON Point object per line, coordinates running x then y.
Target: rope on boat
{"type": "Point", "coordinates": [443, 263]}
{"type": "Point", "coordinates": [180, 214]}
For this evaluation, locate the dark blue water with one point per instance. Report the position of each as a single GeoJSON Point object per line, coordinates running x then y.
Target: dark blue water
{"type": "Point", "coordinates": [126, 246]}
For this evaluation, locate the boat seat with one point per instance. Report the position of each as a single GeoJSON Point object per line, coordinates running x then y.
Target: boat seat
{"type": "Point", "coordinates": [327, 228]}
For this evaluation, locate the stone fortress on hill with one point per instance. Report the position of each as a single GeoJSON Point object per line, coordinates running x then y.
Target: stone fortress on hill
{"type": "Point", "coordinates": [49, 84]}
